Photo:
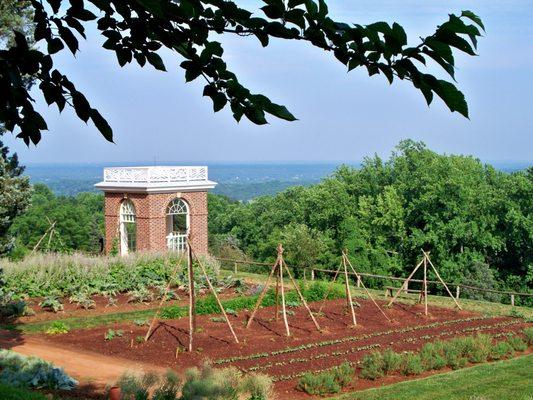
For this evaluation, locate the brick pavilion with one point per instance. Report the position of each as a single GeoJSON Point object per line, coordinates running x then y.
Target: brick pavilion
{"type": "Point", "coordinates": [155, 208]}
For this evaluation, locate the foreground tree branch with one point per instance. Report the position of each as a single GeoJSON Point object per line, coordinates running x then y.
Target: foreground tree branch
{"type": "Point", "coordinates": [137, 29]}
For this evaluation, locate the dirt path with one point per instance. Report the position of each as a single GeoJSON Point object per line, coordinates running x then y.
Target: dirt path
{"type": "Point", "coordinates": [87, 367]}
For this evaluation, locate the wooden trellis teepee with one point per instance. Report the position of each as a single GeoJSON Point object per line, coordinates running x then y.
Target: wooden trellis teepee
{"type": "Point", "coordinates": [278, 269]}
{"type": "Point", "coordinates": [424, 290]}
{"type": "Point", "coordinates": [192, 297]}
{"type": "Point", "coordinates": [345, 262]}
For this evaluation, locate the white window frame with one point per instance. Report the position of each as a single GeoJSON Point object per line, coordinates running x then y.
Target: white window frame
{"type": "Point", "coordinates": [127, 216]}
{"type": "Point", "coordinates": [177, 241]}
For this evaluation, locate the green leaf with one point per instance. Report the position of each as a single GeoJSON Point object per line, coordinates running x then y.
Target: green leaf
{"type": "Point", "coordinates": [156, 61]}
{"type": "Point", "coordinates": [473, 17]}
{"type": "Point", "coordinates": [280, 112]}
{"type": "Point", "coordinates": [256, 115]}
{"type": "Point", "coordinates": [102, 125]}
{"type": "Point", "coordinates": [55, 45]}
{"type": "Point", "coordinates": [452, 97]}
{"type": "Point", "coordinates": [273, 11]}
{"type": "Point", "coordinates": [153, 6]}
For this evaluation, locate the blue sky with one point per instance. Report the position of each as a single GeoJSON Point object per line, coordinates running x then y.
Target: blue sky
{"type": "Point", "coordinates": [342, 116]}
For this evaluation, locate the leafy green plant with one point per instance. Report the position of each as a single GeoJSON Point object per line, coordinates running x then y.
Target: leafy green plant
{"type": "Point", "coordinates": [52, 303]}
{"type": "Point", "coordinates": [31, 372]}
{"type": "Point", "coordinates": [140, 322]}
{"type": "Point", "coordinates": [140, 295]}
{"type": "Point", "coordinates": [83, 299]}
{"type": "Point", "coordinates": [112, 334]}
{"type": "Point", "coordinates": [57, 327]}
{"type": "Point", "coordinates": [432, 357]}
{"type": "Point", "coordinates": [139, 339]}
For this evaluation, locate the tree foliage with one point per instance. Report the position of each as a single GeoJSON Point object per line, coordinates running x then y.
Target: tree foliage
{"type": "Point", "coordinates": [15, 193]}
{"type": "Point", "coordinates": [138, 31]}
{"type": "Point", "coordinates": [470, 216]}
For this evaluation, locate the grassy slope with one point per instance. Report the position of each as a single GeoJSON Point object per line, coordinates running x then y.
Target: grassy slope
{"type": "Point", "coordinates": [482, 307]}
{"type": "Point", "coordinates": [503, 380]}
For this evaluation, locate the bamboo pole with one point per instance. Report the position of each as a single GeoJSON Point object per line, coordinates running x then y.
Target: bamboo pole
{"type": "Point", "coordinates": [172, 276]}
{"type": "Point", "coordinates": [42, 237]}
{"type": "Point", "coordinates": [215, 294]}
{"type": "Point", "coordinates": [192, 310]}
{"type": "Point", "coordinates": [276, 317]}
{"type": "Point", "coordinates": [348, 293]}
{"type": "Point", "coordinates": [440, 279]}
{"type": "Point", "coordinates": [405, 282]}
{"type": "Point", "coordinates": [302, 298]}
{"type": "Point", "coordinates": [365, 288]}
{"type": "Point", "coordinates": [262, 294]}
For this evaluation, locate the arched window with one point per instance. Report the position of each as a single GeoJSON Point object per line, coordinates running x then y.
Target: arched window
{"type": "Point", "coordinates": [128, 227]}
{"type": "Point", "coordinates": [177, 224]}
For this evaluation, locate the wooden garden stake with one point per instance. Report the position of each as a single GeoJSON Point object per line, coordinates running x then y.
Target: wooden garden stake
{"type": "Point", "coordinates": [405, 283]}
{"type": "Point", "coordinates": [204, 271]}
{"type": "Point", "coordinates": [192, 300]}
{"type": "Point", "coordinates": [364, 287]}
{"type": "Point", "coordinates": [440, 279]}
{"type": "Point", "coordinates": [425, 285]}
{"type": "Point", "coordinates": [348, 293]}
{"type": "Point", "coordinates": [302, 298]}
{"type": "Point", "coordinates": [277, 297]}
{"type": "Point", "coordinates": [282, 290]}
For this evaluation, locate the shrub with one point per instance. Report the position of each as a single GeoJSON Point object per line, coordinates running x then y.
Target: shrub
{"type": "Point", "coordinates": [168, 388]}
{"type": "Point", "coordinates": [391, 361]}
{"type": "Point", "coordinates": [258, 386]}
{"type": "Point", "coordinates": [517, 343]}
{"type": "Point", "coordinates": [52, 303]}
{"type": "Point", "coordinates": [111, 334]}
{"type": "Point", "coordinates": [412, 364]}
{"type": "Point", "coordinates": [431, 356]}
{"type": "Point", "coordinates": [318, 384]}
{"type": "Point", "coordinates": [209, 383]}
{"type": "Point", "coordinates": [482, 348]}
{"type": "Point", "coordinates": [326, 382]}
{"type": "Point", "coordinates": [528, 333]}
{"type": "Point", "coordinates": [453, 355]}
{"type": "Point", "coordinates": [372, 366]}
{"type": "Point", "coordinates": [57, 327]}
{"type": "Point", "coordinates": [500, 350]}
{"type": "Point", "coordinates": [32, 372]}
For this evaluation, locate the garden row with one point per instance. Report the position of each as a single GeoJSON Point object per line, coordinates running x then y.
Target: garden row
{"type": "Point", "coordinates": [455, 353]}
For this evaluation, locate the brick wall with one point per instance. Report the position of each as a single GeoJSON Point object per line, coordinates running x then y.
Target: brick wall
{"type": "Point", "coordinates": [150, 212]}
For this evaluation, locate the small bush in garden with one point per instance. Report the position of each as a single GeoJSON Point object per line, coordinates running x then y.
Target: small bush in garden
{"type": "Point", "coordinates": [83, 299]}
{"type": "Point", "coordinates": [412, 364]}
{"type": "Point", "coordinates": [481, 350]}
{"type": "Point", "coordinates": [57, 327]}
{"type": "Point", "coordinates": [453, 356]}
{"type": "Point", "coordinates": [140, 322]}
{"type": "Point", "coordinates": [372, 366]}
{"type": "Point", "coordinates": [318, 384]}
{"type": "Point", "coordinates": [168, 388]}
{"type": "Point", "coordinates": [517, 343]}
{"type": "Point", "coordinates": [500, 350]}
{"type": "Point", "coordinates": [209, 383]}
{"type": "Point", "coordinates": [326, 382]}
{"type": "Point", "coordinates": [140, 295]}
{"type": "Point", "coordinates": [391, 361]}
{"type": "Point", "coordinates": [528, 333]}
{"type": "Point", "coordinates": [258, 386]}
{"type": "Point", "coordinates": [431, 356]}
{"type": "Point", "coordinates": [32, 372]}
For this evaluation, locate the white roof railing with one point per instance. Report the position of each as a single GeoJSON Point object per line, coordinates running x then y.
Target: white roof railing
{"type": "Point", "coordinates": [151, 175]}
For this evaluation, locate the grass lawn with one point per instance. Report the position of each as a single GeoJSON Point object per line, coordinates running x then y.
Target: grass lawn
{"type": "Point", "coordinates": [11, 393]}
{"type": "Point", "coordinates": [502, 380]}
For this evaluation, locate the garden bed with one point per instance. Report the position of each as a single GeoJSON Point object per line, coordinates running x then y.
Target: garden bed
{"type": "Point", "coordinates": [264, 347]}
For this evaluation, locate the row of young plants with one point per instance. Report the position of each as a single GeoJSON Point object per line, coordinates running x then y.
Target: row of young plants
{"type": "Point", "coordinates": [204, 382]}
{"type": "Point", "coordinates": [332, 342]}
{"type": "Point", "coordinates": [338, 353]}
{"type": "Point", "coordinates": [454, 353]}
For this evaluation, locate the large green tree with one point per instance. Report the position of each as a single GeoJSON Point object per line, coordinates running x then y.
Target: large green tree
{"type": "Point", "coordinates": [138, 30]}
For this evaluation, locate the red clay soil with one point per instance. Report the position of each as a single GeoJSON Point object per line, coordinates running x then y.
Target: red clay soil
{"type": "Point", "coordinates": [306, 350]}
